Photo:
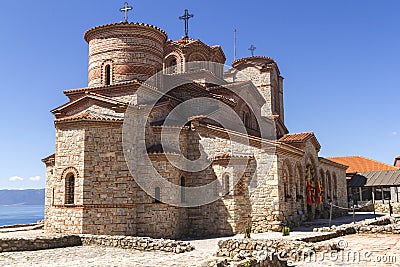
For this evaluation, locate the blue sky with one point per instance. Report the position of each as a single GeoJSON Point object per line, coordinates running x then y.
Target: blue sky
{"type": "Point", "coordinates": [340, 60]}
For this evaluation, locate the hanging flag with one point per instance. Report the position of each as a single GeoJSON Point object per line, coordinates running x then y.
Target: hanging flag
{"type": "Point", "coordinates": [320, 193]}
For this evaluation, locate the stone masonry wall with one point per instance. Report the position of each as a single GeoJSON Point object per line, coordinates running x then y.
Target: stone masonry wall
{"type": "Point", "coordinates": [109, 190]}
{"type": "Point", "coordinates": [125, 242]}
{"type": "Point", "coordinates": [69, 158]}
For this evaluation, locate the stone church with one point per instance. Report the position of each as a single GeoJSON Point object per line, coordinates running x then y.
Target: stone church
{"type": "Point", "coordinates": [94, 187]}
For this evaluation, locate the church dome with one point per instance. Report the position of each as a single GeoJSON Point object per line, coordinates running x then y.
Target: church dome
{"type": "Point", "coordinates": [124, 51]}
{"type": "Point", "coordinates": [256, 61]}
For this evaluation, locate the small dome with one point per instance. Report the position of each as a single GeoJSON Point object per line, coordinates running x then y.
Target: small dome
{"type": "Point", "coordinates": [124, 51]}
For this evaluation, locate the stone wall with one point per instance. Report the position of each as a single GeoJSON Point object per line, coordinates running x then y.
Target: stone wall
{"type": "Point", "coordinates": [109, 189]}
{"type": "Point", "coordinates": [125, 242]}
{"type": "Point", "coordinates": [384, 208]}
{"type": "Point", "coordinates": [38, 243]}
{"type": "Point", "coordinates": [260, 252]}
{"type": "Point", "coordinates": [139, 243]}
{"type": "Point", "coordinates": [69, 159]}
{"type": "Point", "coordinates": [385, 224]}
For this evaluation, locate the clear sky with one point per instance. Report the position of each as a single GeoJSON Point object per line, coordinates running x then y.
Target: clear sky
{"type": "Point", "coordinates": [340, 60]}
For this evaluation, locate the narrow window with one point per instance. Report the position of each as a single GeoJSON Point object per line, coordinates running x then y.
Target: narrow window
{"type": "Point", "coordinates": [183, 196]}
{"type": "Point", "coordinates": [226, 185]}
{"type": "Point", "coordinates": [285, 179]}
{"type": "Point", "coordinates": [172, 65]}
{"type": "Point", "coordinates": [107, 75]}
{"type": "Point", "coordinates": [70, 189]}
{"type": "Point", "coordinates": [245, 119]}
{"type": "Point", "coordinates": [157, 195]}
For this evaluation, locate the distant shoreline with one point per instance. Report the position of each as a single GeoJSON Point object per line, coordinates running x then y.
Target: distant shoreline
{"type": "Point", "coordinates": [20, 204]}
{"type": "Point", "coordinates": [25, 197]}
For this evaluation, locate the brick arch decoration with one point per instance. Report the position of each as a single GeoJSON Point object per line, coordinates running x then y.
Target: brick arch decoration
{"type": "Point", "coordinates": [171, 56]}
{"type": "Point", "coordinates": [64, 176]}
{"type": "Point", "coordinates": [70, 170]}
{"type": "Point", "coordinates": [196, 56]}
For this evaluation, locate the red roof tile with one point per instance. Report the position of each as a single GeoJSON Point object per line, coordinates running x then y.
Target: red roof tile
{"type": "Point", "coordinates": [361, 164]}
{"type": "Point", "coordinates": [296, 137]}
{"type": "Point", "coordinates": [88, 116]}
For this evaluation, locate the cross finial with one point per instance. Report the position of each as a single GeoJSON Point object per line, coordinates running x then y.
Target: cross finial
{"type": "Point", "coordinates": [252, 48]}
{"type": "Point", "coordinates": [186, 18]}
{"type": "Point", "coordinates": [126, 9]}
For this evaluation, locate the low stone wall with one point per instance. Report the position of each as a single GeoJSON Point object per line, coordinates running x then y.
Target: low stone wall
{"type": "Point", "coordinates": [384, 208]}
{"type": "Point", "coordinates": [263, 253]}
{"type": "Point", "coordinates": [385, 224]}
{"type": "Point", "coordinates": [38, 243]}
{"type": "Point", "coordinates": [319, 237]}
{"type": "Point", "coordinates": [126, 242]}
{"type": "Point", "coordinates": [250, 262]}
{"type": "Point", "coordinates": [138, 243]}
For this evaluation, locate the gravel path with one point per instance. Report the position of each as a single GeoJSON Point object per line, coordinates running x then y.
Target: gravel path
{"type": "Point", "coordinates": [100, 256]}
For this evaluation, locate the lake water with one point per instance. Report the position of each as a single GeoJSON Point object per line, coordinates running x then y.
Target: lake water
{"type": "Point", "coordinates": [20, 214]}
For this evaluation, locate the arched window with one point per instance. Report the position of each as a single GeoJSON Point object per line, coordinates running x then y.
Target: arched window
{"type": "Point", "coordinates": [183, 196]}
{"type": "Point", "coordinates": [225, 184]}
{"type": "Point", "coordinates": [70, 189]}
{"type": "Point", "coordinates": [107, 74]}
{"type": "Point", "coordinates": [172, 66]}
{"type": "Point", "coordinates": [157, 195]}
{"type": "Point", "coordinates": [285, 179]}
{"type": "Point", "coordinates": [246, 119]}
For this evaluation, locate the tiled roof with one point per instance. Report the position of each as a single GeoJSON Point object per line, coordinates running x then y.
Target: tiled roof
{"type": "Point", "coordinates": [296, 137]}
{"type": "Point", "coordinates": [123, 24]}
{"type": "Point", "coordinates": [101, 87]}
{"type": "Point", "coordinates": [93, 96]}
{"type": "Point", "coordinates": [49, 158]}
{"type": "Point", "coordinates": [362, 164]}
{"type": "Point", "coordinates": [185, 40]}
{"type": "Point", "coordinates": [247, 59]}
{"type": "Point", "coordinates": [89, 116]}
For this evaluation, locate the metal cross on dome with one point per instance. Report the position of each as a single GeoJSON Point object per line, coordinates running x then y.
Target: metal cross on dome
{"type": "Point", "coordinates": [186, 18]}
{"type": "Point", "coordinates": [252, 48]}
{"type": "Point", "coordinates": [126, 9]}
